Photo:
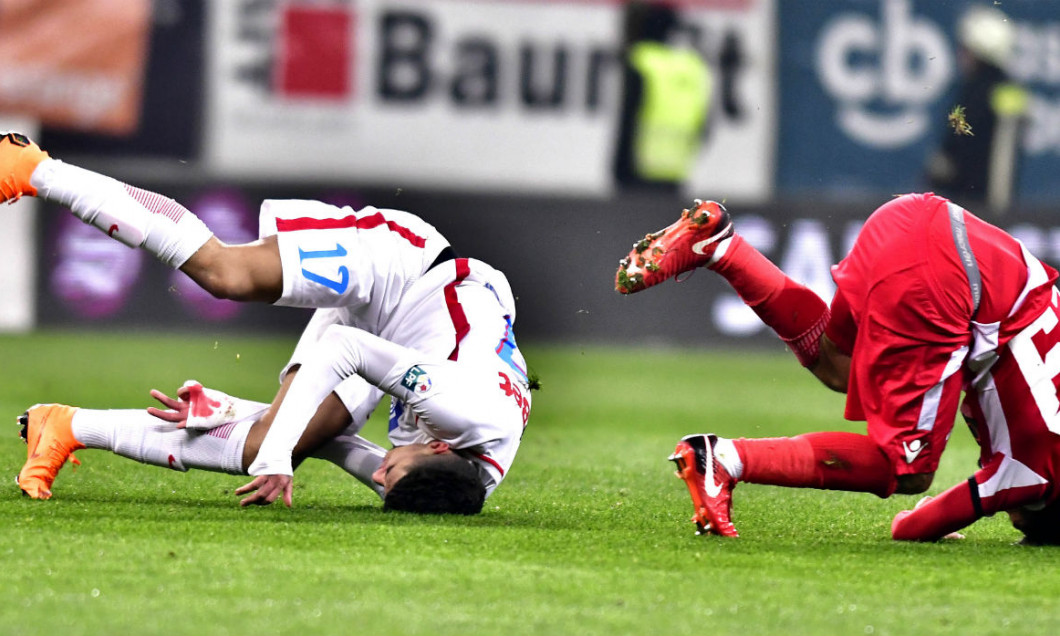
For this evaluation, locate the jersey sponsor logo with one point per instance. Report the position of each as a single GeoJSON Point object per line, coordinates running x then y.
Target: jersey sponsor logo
{"type": "Point", "coordinates": [417, 380]}
{"type": "Point", "coordinates": [912, 449]}
{"type": "Point", "coordinates": [513, 391]}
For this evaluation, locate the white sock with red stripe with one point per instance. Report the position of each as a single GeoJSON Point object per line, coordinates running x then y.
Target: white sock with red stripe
{"type": "Point", "coordinates": [135, 434]}
{"type": "Point", "coordinates": [135, 217]}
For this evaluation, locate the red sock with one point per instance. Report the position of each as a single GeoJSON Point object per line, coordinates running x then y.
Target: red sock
{"type": "Point", "coordinates": [830, 461]}
{"type": "Point", "coordinates": [793, 311]}
{"type": "Point", "coordinates": [949, 512]}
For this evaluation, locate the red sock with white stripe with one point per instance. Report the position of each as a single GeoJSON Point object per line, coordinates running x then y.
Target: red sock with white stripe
{"type": "Point", "coordinates": [793, 311]}
{"type": "Point", "coordinates": [135, 217]}
{"type": "Point", "coordinates": [829, 461]}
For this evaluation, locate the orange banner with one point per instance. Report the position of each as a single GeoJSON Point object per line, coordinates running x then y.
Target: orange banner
{"type": "Point", "coordinates": [76, 64]}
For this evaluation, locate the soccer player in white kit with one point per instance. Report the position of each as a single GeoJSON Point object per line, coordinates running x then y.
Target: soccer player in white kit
{"type": "Point", "coordinates": [398, 313]}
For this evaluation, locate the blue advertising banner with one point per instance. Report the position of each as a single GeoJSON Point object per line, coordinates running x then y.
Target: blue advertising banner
{"type": "Point", "coordinates": [867, 85]}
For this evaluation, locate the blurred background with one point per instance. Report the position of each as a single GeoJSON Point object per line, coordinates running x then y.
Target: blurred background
{"type": "Point", "coordinates": [543, 136]}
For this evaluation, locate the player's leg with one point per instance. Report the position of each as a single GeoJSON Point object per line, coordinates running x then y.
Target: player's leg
{"type": "Point", "coordinates": [53, 432]}
{"type": "Point", "coordinates": [139, 218]}
{"type": "Point", "coordinates": [703, 237]}
{"type": "Point", "coordinates": [711, 466]}
{"type": "Point", "coordinates": [247, 272]}
{"type": "Point", "coordinates": [892, 458]}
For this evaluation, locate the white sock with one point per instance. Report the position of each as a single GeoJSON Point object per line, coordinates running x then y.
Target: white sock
{"type": "Point", "coordinates": [355, 455]}
{"type": "Point", "coordinates": [135, 434]}
{"type": "Point", "coordinates": [727, 456]}
{"type": "Point", "coordinates": [135, 217]}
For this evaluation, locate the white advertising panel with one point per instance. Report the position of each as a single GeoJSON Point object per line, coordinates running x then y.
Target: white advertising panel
{"type": "Point", "coordinates": [501, 95]}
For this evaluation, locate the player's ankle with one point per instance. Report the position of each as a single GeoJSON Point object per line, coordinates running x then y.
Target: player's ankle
{"type": "Point", "coordinates": [729, 457]}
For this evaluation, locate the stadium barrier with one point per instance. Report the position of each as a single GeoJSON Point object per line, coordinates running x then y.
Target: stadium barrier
{"type": "Point", "coordinates": [560, 255]}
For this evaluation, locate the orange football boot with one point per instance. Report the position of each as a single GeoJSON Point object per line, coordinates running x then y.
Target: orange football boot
{"type": "Point", "coordinates": [19, 157]}
{"type": "Point", "coordinates": [50, 441]}
{"type": "Point", "coordinates": [688, 243]}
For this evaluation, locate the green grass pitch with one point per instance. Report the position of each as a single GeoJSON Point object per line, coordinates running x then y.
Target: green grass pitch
{"type": "Point", "coordinates": [590, 533]}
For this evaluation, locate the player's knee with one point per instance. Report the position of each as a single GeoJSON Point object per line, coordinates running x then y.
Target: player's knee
{"type": "Point", "coordinates": [914, 484]}
{"type": "Point", "coordinates": [230, 279]}
{"type": "Point", "coordinates": [224, 284]}
{"type": "Point", "coordinates": [239, 272]}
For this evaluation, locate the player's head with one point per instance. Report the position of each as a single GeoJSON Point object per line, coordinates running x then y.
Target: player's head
{"type": "Point", "coordinates": [430, 479]}
{"type": "Point", "coordinates": [1039, 527]}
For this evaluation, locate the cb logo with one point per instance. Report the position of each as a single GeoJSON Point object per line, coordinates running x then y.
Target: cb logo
{"type": "Point", "coordinates": [885, 76]}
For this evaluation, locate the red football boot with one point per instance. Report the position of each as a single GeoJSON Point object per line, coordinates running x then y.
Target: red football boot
{"type": "Point", "coordinates": [709, 484]}
{"type": "Point", "coordinates": [687, 244]}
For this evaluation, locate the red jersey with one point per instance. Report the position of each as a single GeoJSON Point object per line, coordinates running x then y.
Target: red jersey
{"type": "Point", "coordinates": [931, 300]}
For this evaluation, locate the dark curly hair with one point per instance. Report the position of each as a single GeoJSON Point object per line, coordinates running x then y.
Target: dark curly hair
{"type": "Point", "coordinates": [1039, 527]}
{"type": "Point", "coordinates": [438, 484]}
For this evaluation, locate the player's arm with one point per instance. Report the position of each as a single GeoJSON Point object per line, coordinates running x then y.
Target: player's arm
{"type": "Point", "coordinates": [939, 517]}
{"type": "Point", "coordinates": [328, 420]}
{"type": "Point", "coordinates": [289, 434]}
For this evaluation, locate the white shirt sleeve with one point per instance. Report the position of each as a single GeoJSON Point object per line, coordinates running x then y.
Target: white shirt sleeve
{"type": "Point", "coordinates": [331, 363]}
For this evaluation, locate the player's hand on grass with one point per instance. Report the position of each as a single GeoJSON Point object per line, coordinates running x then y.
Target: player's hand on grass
{"type": "Point", "coordinates": [265, 489]}
{"type": "Point", "coordinates": [176, 409]}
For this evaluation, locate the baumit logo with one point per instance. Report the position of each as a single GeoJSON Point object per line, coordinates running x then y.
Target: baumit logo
{"type": "Point", "coordinates": [885, 73]}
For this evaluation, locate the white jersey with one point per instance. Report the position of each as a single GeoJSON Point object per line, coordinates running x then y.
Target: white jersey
{"type": "Point", "coordinates": [460, 316]}
{"type": "Point", "coordinates": [372, 270]}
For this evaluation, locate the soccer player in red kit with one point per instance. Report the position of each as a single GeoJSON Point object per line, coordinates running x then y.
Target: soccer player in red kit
{"type": "Point", "coordinates": [930, 300]}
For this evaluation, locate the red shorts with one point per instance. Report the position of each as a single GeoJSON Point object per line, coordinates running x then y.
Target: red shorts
{"type": "Point", "coordinates": [903, 312]}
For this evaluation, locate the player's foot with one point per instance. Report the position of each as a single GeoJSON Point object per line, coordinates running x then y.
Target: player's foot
{"type": "Point", "coordinates": [50, 441]}
{"type": "Point", "coordinates": [687, 244]}
{"type": "Point", "coordinates": [708, 482]}
{"type": "Point", "coordinates": [19, 157]}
